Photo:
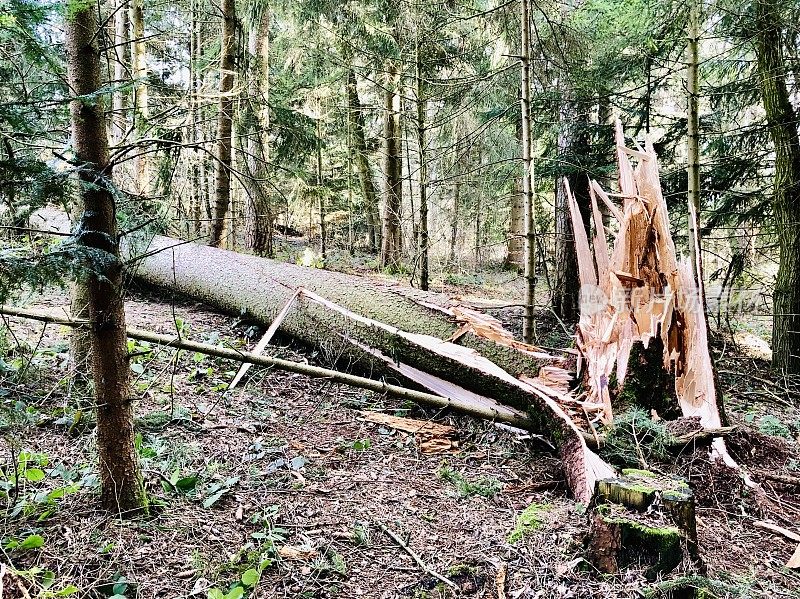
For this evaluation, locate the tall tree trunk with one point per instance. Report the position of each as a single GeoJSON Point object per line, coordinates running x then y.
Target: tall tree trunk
{"type": "Point", "coordinates": [782, 122]}
{"type": "Point", "coordinates": [361, 157]}
{"type": "Point", "coordinates": [454, 219]}
{"type": "Point", "coordinates": [423, 176]}
{"type": "Point", "coordinates": [320, 192]}
{"type": "Point", "coordinates": [141, 163]}
{"type": "Point", "coordinates": [693, 143]}
{"type": "Point", "coordinates": [258, 222]}
{"type": "Point", "coordinates": [120, 100]}
{"type": "Point", "coordinates": [222, 183]}
{"type": "Point", "coordinates": [194, 124]}
{"type": "Point", "coordinates": [515, 247]}
{"type": "Point", "coordinates": [392, 242]}
{"type": "Point", "coordinates": [528, 323]}
{"type": "Point", "coordinates": [120, 478]}
{"type": "Point", "coordinates": [572, 142]}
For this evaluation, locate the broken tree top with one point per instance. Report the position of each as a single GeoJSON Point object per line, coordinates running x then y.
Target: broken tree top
{"type": "Point", "coordinates": [642, 327]}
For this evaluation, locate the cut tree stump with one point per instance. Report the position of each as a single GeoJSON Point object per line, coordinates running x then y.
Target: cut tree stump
{"type": "Point", "coordinates": [642, 519]}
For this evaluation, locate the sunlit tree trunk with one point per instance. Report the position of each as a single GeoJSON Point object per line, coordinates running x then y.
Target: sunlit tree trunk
{"type": "Point", "coordinates": [515, 247]}
{"type": "Point", "coordinates": [693, 142]}
{"type": "Point", "coordinates": [392, 248]}
{"type": "Point", "coordinates": [528, 323]}
{"type": "Point", "coordinates": [194, 126]}
{"type": "Point", "coordinates": [323, 250]}
{"type": "Point", "coordinates": [258, 221]}
{"type": "Point", "coordinates": [222, 168]}
{"type": "Point", "coordinates": [782, 123]}
{"type": "Point", "coordinates": [120, 478]}
{"type": "Point", "coordinates": [361, 156]}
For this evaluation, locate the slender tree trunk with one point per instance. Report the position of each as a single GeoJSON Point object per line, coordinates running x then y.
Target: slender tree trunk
{"type": "Point", "coordinates": [361, 157]}
{"type": "Point", "coordinates": [392, 242]}
{"type": "Point", "coordinates": [120, 478]}
{"type": "Point", "coordinates": [515, 248]}
{"type": "Point", "coordinates": [222, 182]}
{"type": "Point", "coordinates": [141, 163]}
{"type": "Point", "coordinates": [194, 124]}
{"type": "Point", "coordinates": [693, 144]}
{"type": "Point", "coordinates": [120, 99]}
{"type": "Point", "coordinates": [528, 323]}
{"type": "Point", "coordinates": [423, 177]}
{"type": "Point", "coordinates": [454, 219]}
{"type": "Point", "coordinates": [258, 223]}
{"type": "Point", "coordinates": [320, 193]}
{"type": "Point", "coordinates": [782, 122]}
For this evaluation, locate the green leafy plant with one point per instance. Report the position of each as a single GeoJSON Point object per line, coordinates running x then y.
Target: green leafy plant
{"type": "Point", "coordinates": [33, 541]}
{"type": "Point", "coordinates": [770, 425]}
{"type": "Point", "coordinates": [634, 438]}
{"type": "Point", "coordinates": [485, 486]}
{"type": "Point", "coordinates": [216, 491]}
{"type": "Point", "coordinates": [361, 534]}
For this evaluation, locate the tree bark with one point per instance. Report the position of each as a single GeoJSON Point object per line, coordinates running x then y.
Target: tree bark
{"type": "Point", "coordinates": [141, 163]}
{"type": "Point", "coordinates": [120, 100]}
{"type": "Point", "coordinates": [194, 134]}
{"type": "Point", "coordinates": [528, 189]}
{"type": "Point", "coordinates": [120, 479]}
{"type": "Point", "coordinates": [423, 176]}
{"type": "Point", "coordinates": [323, 250]}
{"type": "Point", "coordinates": [222, 175]}
{"type": "Point", "coordinates": [258, 216]}
{"type": "Point", "coordinates": [782, 123]}
{"type": "Point", "coordinates": [572, 142]}
{"type": "Point", "coordinates": [392, 242]}
{"type": "Point", "coordinates": [515, 247]}
{"type": "Point", "coordinates": [361, 156]}
{"type": "Point", "coordinates": [693, 143]}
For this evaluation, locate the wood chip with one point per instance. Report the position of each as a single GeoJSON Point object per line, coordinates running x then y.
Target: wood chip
{"type": "Point", "coordinates": [789, 534]}
{"type": "Point", "coordinates": [409, 425]}
{"type": "Point", "coordinates": [293, 553]}
{"type": "Point", "coordinates": [794, 561]}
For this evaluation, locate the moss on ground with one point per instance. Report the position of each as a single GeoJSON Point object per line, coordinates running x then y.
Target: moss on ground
{"type": "Point", "coordinates": [529, 520]}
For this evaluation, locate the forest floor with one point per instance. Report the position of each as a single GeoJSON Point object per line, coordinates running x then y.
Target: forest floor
{"type": "Point", "coordinates": [285, 475]}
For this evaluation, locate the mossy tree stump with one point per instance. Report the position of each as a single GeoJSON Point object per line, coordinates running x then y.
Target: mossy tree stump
{"type": "Point", "coordinates": [643, 519]}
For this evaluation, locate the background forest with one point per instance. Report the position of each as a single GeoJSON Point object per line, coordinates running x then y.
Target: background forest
{"type": "Point", "coordinates": [427, 145]}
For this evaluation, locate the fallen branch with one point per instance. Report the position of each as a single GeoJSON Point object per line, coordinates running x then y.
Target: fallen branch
{"type": "Point", "coordinates": [471, 409]}
{"type": "Point", "coordinates": [262, 345]}
{"type": "Point", "coordinates": [423, 566]}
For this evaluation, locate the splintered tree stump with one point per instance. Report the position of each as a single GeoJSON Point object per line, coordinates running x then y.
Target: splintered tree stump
{"type": "Point", "coordinates": [642, 519]}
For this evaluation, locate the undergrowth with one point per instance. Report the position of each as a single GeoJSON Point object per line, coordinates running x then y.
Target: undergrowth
{"type": "Point", "coordinates": [636, 439]}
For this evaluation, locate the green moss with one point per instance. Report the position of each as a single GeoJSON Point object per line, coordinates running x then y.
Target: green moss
{"type": "Point", "coordinates": [528, 521]}
{"type": "Point", "coordinates": [638, 472]}
{"type": "Point", "coordinates": [663, 543]}
{"type": "Point", "coordinates": [462, 570]}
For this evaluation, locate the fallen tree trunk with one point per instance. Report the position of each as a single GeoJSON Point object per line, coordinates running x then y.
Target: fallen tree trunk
{"type": "Point", "coordinates": [370, 325]}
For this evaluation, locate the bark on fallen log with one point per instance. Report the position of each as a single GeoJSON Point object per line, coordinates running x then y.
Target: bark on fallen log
{"type": "Point", "coordinates": [383, 326]}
